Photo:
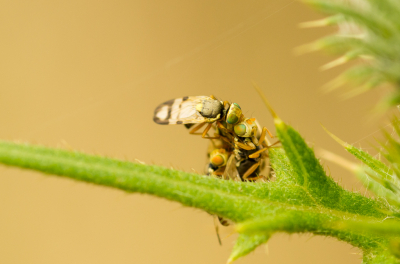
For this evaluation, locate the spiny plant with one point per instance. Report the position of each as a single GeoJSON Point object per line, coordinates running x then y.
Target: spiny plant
{"type": "Point", "coordinates": [369, 30]}
{"type": "Point", "coordinates": [383, 180]}
{"type": "Point", "coordinates": [302, 199]}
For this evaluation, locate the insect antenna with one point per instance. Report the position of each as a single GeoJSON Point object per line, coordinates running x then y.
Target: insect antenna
{"type": "Point", "coordinates": [264, 98]}
{"type": "Point", "coordinates": [217, 229]}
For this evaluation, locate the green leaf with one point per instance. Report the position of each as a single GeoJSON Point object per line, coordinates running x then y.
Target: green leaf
{"type": "Point", "coordinates": [375, 176]}
{"type": "Point", "coordinates": [290, 221]}
{"type": "Point", "coordinates": [382, 188]}
{"type": "Point", "coordinates": [382, 171]}
{"type": "Point", "coordinates": [246, 244]}
{"type": "Point", "coordinates": [301, 199]}
{"type": "Point", "coordinates": [371, 30]}
{"type": "Point", "coordinates": [372, 20]}
{"type": "Point", "coordinates": [311, 221]}
{"type": "Point", "coordinates": [388, 227]}
{"type": "Point", "coordinates": [309, 172]}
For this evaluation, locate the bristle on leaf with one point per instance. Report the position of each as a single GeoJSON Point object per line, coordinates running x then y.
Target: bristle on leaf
{"type": "Point", "coordinates": [341, 142]}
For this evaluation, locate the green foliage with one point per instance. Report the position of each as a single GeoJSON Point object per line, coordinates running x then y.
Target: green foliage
{"type": "Point", "coordinates": [369, 30]}
{"type": "Point", "coordinates": [382, 179]}
{"type": "Point", "coordinates": [247, 243]}
{"type": "Point", "coordinates": [301, 199]}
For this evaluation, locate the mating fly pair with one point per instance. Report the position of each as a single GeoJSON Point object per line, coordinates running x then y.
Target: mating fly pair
{"type": "Point", "coordinates": [236, 152]}
{"type": "Point", "coordinates": [237, 149]}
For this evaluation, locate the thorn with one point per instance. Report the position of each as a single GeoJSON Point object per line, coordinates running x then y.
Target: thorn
{"type": "Point", "coordinates": [355, 92]}
{"type": "Point", "coordinates": [367, 57]}
{"type": "Point", "coordinates": [277, 120]}
{"type": "Point", "coordinates": [334, 63]}
{"type": "Point", "coordinates": [341, 142]}
{"type": "Point", "coordinates": [316, 23]}
{"type": "Point", "coordinates": [334, 84]}
{"type": "Point", "coordinates": [313, 24]}
{"type": "Point", "coordinates": [327, 21]}
{"type": "Point", "coordinates": [139, 161]}
{"type": "Point", "coordinates": [338, 160]}
{"type": "Point", "coordinates": [307, 48]}
{"type": "Point", "coordinates": [230, 261]}
{"type": "Point", "coordinates": [65, 144]}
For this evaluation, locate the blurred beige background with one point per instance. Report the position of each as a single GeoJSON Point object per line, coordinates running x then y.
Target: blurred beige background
{"type": "Point", "coordinates": [88, 74]}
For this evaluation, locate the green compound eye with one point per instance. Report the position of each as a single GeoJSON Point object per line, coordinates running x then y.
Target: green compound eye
{"type": "Point", "coordinates": [232, 119]}
{"type": "Point", "coordinates": [234, 114]}
{"type": "Point", "coordinates": [217, 160]}
{"type": "Point", "coordinates": [237, 105]}
{"type": "Point", "coordinates": [240, 130]}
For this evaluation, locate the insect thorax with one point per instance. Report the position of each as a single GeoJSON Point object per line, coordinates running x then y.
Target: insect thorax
{"type": "Point", "coordinates": [210, 108]}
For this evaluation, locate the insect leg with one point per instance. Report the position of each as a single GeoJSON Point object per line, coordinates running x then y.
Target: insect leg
{"type": "Point", "coordinates": [227, 140]}
{"type": "Point", "coordinates": [213, 143]}
{"type": "Point", "coordinates": [204, 135]}
{"type": "Point", "coordinates": [217, 229]}
{"type": "Point", "coordinates": [260, 177]}
{"type": "Point", "coordinates": [219, 171]}
{"type": "Point", "coordinates": [269, 133]}
{"type": "Point", "coordinates": [257, 153]}
{"type": "Point", "coordinates": [195, 128]}
{"type": "Point", "coordinates": [224, 129]}
{"type": "Point", "coordinates": [273, 144]}
{"type": "Point", "coordinates": [262, 137]}
{"type": "Point", "coordinates": [250, 171]}
{"type": "Point", "coordinates": [243, 146]}
{"type": "Point", "coordinates": [263, 134]}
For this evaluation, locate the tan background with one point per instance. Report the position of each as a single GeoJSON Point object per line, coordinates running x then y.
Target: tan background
{"type": "Point", "coordinates": [88, 75]}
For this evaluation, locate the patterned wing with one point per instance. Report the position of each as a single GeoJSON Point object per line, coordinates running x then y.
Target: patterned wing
{"type": "Point", "coordinates": [231, 172]}
{"type": "Point", "coordinates": [180, 111]}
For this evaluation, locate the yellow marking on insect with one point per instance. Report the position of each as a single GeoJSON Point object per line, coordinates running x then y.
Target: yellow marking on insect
{"type": "Point", "coordinates": [199, 107]}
